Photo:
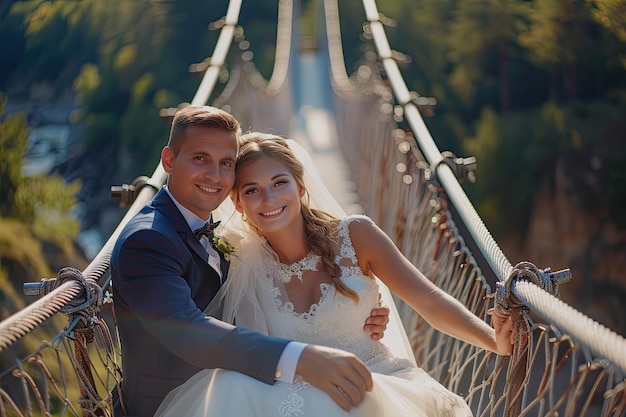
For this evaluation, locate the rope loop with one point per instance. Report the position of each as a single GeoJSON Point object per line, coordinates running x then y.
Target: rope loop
{"type": "Point", "coordinates": [92, 293]}
{"type": "Point", "coordinates": [547, 280]}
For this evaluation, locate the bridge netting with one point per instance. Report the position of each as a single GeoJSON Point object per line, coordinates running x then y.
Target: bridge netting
{"type": "Point", "coordinates": [564, 363]}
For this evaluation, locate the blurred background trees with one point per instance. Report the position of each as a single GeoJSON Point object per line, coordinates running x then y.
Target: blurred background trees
{"type": "Point", "coordinates": [535, 89]}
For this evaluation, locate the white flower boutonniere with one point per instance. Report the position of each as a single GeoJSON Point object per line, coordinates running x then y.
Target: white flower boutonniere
{"type": "Point", "coordinates": [221, 244]}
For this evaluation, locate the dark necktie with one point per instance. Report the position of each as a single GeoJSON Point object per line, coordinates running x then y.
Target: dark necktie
{"type": "Point", "coordinates": [206, 230]}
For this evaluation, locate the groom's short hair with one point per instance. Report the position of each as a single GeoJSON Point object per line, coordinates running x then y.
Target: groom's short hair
{"type": "Point", "coordinates": [208, 116]}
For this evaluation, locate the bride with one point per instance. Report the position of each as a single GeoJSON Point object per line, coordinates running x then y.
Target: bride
{"type": "Point", "coordinates": [302, 270]}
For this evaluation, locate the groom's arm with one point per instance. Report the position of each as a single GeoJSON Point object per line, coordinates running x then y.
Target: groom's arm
{"type": "Point", "coordinates": [155, 301]}
{"type": "Point", "coordinates": [288, 362]}
{"type": "Point", "coordinates": [339, 374]}
{"type": "Point", "coordinates": [345, 379]}
{"type": "Point", "coordinates": [376, 324]}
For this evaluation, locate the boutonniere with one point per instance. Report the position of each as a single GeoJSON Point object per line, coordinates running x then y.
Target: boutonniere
{"type": "Point", "coordinates": [221, 244]}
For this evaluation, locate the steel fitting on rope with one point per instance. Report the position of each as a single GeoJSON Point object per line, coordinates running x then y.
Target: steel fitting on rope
{"type": "Point", "coordinates": [127, 193]}
{"type": "Point", "coordinates": [463, 168]}
{"type": "Point", "coordinates": [90, 296]}
{"type": "Point", "coordinates": [549, 281]}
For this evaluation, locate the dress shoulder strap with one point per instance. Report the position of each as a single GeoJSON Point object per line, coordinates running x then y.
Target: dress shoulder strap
{"type": "Point", "coordinates": [346, 248]}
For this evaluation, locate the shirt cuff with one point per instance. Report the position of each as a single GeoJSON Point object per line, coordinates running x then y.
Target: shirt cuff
{"type": "Point", "coordinates": [286, 368]}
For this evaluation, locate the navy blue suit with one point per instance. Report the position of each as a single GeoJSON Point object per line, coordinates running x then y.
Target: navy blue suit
{"type": "Point", "coordinates": [161, 284]}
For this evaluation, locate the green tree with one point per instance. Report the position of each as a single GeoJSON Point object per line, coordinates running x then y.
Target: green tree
{"type": "Point", "coordinates": [13, 137]}
{"type": "Point", "coordinates": [45, 202]}
{"type": "Point", "coordinates": [559, 39]}
{"type": "Point", "coordinates": [57, 40]}
{"type": "Point", "coordinates": [421, 31]}
{"type": "Point", "coordinates": [612, 15]}
{"type": "Point", "coordinates": [515, 151]}
{"type": "Point", "coordinates": [427, 47]}
{"type": "Point", "coordinates": [483, 44]}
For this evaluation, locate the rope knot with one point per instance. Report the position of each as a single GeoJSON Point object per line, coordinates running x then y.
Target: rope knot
{"type": "Point", "coordinates": [508, 304]}
{"type": "Point", "coordinates": [549, 281]}
{"type": "Point", "coordinates": [92, 293]}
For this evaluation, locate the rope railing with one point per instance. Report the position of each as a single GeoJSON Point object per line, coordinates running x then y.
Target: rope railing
{"type": "Point", "coordinates": [246, 85]}
{"type": "Point", "coordinates": [24, 321]}
{"type": "Point", "coordinates": [412, 191]}
{"type": "Point", "coordinates": [85, 348]}
{"type": "Point", "coordinates": [53, 301]}
{"type": "Point", "coordinates": [603, 341]}
{"type": "Point", "coordinates": [409, 188]}
{"type": "Point", "coordinates": [455, 194]}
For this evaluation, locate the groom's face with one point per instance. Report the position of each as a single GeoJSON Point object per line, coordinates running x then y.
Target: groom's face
{"type": "Point", "coordinates": [202, 172]}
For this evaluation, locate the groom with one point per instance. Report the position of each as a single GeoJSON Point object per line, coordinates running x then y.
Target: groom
{"type": "Point", "coordinates": [164, 276]}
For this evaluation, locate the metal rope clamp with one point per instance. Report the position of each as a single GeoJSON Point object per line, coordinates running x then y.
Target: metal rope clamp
{"type": "Point", "coordinates": [463, 168]}
{"type": "Point", "coordinates": [127, 193]}
{"type": "Point", "coordinates": [549, 281]}
{"type": "Point", "coordinates": [509, 305]}
{"type": "Point", "coordinates": [89, 298]}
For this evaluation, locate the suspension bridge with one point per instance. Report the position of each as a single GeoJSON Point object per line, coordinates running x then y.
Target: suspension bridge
{"type": "Point", "coordinates": [366, 134]}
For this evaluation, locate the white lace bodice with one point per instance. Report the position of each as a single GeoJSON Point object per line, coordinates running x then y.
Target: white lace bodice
{"type": "Point", "coordinates": [336, 320]}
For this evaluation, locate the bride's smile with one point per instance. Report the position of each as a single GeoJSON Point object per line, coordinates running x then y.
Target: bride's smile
{"type": "Point", "coordinates": [273, 212]}
{"type": "Point", "coordinates": [269, 196]}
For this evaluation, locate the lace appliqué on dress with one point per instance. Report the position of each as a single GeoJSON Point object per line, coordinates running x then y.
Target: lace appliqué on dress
{"type": "Point", "coordinates": [346, 250]}
{"type": "Point", "coordinates": [287, 306]}
{"type": "Point", "coordinates": [296, 269]}
{"type": "Point", "coordinates": [450, 403]}
{"type": "Point", "coordinates": [293, 404]}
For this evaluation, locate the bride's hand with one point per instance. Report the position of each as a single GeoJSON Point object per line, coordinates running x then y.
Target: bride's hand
{"type": "Point", "coordinates": [338, 373]}
{"type": "Point", "coordinates": [505, 336]}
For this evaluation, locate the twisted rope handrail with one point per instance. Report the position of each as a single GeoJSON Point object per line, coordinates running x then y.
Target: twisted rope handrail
{"type": "Point", "coordinates": [601, 340]}
{"type": "Point", "coordinates": [284, 41]}
{"type": "Point", "coordinates": [27, 319]}
{"type": "Point", "coordinates": [468, 216]}
{"type": "Point", "coordinates": [470, 265]}
{"type": "Point", "coordinates": [450, 268]}
{"type": "Point", "coordinates": [246, 77]}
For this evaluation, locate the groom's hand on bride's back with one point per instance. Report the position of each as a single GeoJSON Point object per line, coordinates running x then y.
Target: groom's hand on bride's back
{"type": "Point", "coordinates": [376, 323]}
{"type": "Point", "coordinates": [340, 374]}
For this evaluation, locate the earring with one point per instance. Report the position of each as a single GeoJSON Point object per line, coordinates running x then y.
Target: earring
{"type": "Point", "coordinates": [243, 216]}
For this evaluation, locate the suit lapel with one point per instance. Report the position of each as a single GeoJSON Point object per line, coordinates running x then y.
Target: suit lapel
{"type": "Point", "coordinates": [163, 203]}
{"type": "Point", "coordinates": [166, 206]}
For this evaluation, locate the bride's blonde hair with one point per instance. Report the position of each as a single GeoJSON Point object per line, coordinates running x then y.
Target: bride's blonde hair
{"type": "Point", "coordinates": [318, 225]}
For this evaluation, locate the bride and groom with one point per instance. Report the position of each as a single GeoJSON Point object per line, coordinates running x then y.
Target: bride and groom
{"type": "Point", "coordinates": [301, 276]}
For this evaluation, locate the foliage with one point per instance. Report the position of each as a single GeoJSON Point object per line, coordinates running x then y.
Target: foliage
{"type": "Point", "coordinates": [521, 152]}
{"type": "Point", "coordinates": [21, 255]}
{"type": "Point", "coordinates": [521, 147]}
{"type": "Point", "coordinates": [519, 84]}
{"type": "Point", "coordinates": [45, 202]}
{"type": "Point", "coordinates": [13, 137]}
{"type": "Point", "coordinates": [611, 14]}
{"type": "Point", "coordinates": [513, 78]}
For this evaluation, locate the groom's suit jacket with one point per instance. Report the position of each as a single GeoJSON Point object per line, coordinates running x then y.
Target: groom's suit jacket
{"type": "Point", "coordinates": [161, 285]}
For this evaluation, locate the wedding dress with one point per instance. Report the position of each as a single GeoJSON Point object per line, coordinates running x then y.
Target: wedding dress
{"type": "Point", "coordinates": [259, 301]}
